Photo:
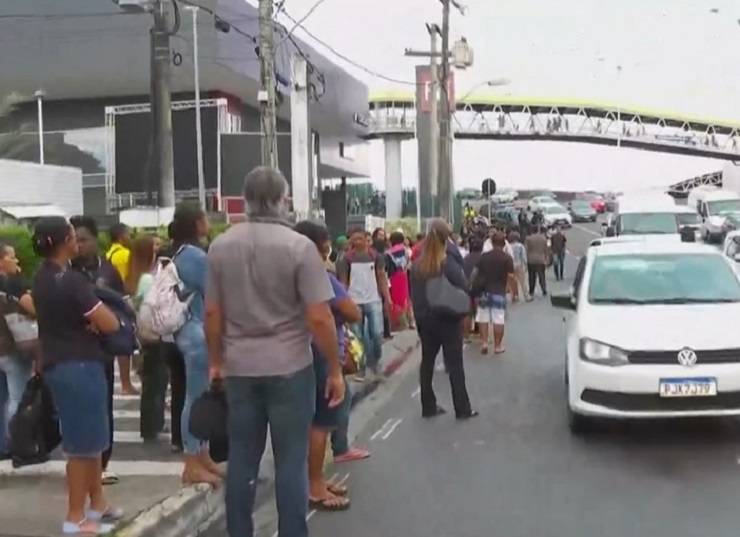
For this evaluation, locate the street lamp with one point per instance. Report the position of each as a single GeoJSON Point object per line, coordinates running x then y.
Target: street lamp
{"type": "Point", "coordinates": [39, 95]}
{"type": "Point", "coordinates": [493, 83]}
{"type": "Point", "coordinates": [198, 128]}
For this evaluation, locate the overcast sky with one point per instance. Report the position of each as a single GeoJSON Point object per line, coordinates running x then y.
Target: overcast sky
{"type": "Point", "coordinates": [674, 54]}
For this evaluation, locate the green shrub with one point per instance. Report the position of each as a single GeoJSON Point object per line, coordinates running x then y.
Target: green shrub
{"type": "Point", "coordinates": [20, 238]}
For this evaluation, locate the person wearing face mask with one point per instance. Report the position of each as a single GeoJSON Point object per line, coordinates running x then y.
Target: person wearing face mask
{"type": "Point", "coordinates": [15, 365]}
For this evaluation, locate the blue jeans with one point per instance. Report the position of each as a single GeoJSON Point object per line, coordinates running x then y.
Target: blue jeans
{"type": "Point", "coordinates": [558, 264]}
{"type": "Point", "coordinates": [370, 328]}
{"type": "Point", "coordinates": [339, 439]}
{"type": "Point", "coordinates": [191, 340]}
{"type": "Point", "coordinates": [286, 403]}
{"type": "Point", "coordinates": [15, 372]}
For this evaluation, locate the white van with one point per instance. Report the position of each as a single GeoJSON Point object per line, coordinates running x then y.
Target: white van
{"type": "Point", "coordinates": [651, 216]}
{"type": "Point", "coordinates": [713, 206]}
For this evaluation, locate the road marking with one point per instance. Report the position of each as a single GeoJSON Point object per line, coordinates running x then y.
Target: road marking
{"type": "Point", "coordinates": [586, 230]}
{"type": "Point", "coordinates": [393, 428]}
{"type": "Point", "coordinates": [382, 429]}
{"type": "Point", "coordinates": [121, 397]}
{"type": "Point", "coordinates": [415, 393]}
{"type": "Point", "coordinates": [134, 437]}
{"type": "Point", "coordinates": [130, 414]}
{"type": "Point", "coordinates": [122, 468]}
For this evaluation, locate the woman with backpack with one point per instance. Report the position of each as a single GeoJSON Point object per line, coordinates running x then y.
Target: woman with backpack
{"type": "Point", "coordinates": [71, 319]}
{"type": "Point", "coordinates": [189, 228]}
{"type": "Point", "coordinates": [139, 278]}
{"type": "Point", "coordinates": [438, 329]}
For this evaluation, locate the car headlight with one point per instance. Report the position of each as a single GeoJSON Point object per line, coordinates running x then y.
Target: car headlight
{"type": "Point", "coordinates": [601, 353]}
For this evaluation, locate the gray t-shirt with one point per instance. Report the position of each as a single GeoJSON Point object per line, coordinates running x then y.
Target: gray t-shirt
{"type": "Point", "coordinates": [264, 275]}
{"type": "Point", "coordinates": [360, 269]}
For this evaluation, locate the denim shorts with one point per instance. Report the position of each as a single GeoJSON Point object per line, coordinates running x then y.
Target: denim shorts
{"type": "Point", "coordinates": [80, 392]}
{"type": "Point", "coordinates": [324, 417]}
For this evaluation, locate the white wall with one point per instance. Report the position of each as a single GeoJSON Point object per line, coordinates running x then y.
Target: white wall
{"type": "Point", "coordinates": [26, 183]}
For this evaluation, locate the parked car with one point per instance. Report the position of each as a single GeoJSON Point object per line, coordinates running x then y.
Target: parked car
{"type": "Point", "coordinates": [582, 211]}
{"type": "Point", "coordinates": [633, 347]}
{"type": "Point", "coordinates": [731, 248]}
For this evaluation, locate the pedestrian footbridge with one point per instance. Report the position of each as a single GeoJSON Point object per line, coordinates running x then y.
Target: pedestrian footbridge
{"type": "Point", "coordinates": [504, 117]}
{"type": "Point", "coordinates": [392, 117]}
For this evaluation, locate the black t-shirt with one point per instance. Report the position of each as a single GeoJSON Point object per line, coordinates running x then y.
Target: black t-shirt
{"type": "Point", "coordinates": [100, 273]}
{"type": "Point", "coordinates": [494, 268]}
{"type": "Point", "coordinates": [63, 299]}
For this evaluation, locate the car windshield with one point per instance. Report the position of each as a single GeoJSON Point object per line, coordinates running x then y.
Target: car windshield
{"type": "Point", "coordinates": [662, 279]}
{"type": "Point", "coordinates": [581, 205]}
{"type": "Point", "coordinates": [553, 209]}
{"type": "Point", "coordinates": [724, 206]}
{"type": "Point", "coordinates": [688, 219]}
{"type": "Point", "coordinates": [648, 223]}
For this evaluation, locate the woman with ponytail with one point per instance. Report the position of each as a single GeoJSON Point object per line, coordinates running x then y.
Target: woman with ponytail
{"type": "Point", "coordinates": [70, 319]}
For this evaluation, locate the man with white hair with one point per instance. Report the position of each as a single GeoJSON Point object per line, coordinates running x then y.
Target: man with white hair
{"type": "Point", "coordinates": [267, 300]}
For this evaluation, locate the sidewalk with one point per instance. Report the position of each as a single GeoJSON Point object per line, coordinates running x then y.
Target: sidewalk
{"type": "Point", "coordinates": [34, 500]}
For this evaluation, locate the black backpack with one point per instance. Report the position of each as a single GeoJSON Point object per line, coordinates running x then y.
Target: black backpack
{"type": "Point", "coordinates": [34, 430]}
{"type": "Point", "coordinates": [123, 342]}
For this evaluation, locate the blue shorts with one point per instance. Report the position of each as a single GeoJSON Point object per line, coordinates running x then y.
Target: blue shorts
{"type": "Point", "coordinates": [80, 393]}
{"type": "Point", "coordinates": [324, 417]}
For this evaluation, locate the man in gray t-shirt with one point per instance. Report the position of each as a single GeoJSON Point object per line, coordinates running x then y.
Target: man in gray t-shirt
{"type": "Point", "coordinates": [362, 271]}
{"type": "Point", "coordinates": [267, 299]}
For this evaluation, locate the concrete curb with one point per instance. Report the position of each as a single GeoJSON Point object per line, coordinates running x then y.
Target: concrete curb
{"type": "Point", "coordinates": [192, 510]}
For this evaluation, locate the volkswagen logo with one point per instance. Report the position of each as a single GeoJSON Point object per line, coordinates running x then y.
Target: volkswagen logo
{"type": "Point", "coordinates": [687, 357]}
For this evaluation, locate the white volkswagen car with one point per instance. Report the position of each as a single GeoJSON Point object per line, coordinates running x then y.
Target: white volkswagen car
{"type": "Point", "coordinates": [653, 333]}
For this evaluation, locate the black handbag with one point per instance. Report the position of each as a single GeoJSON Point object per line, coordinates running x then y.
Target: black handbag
{"type": "Point", "coordinates": [209, 421]}
{"type": "Point", "coordinates": [34, 430]}
{"type": "Point", "coordinates": [446, 300]}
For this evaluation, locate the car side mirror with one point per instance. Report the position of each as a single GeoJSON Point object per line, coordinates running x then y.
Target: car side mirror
{"type": "Point", "coordinates": [566, 302]}
{"type": "Point", "coordinates": [610, 231]}
{"type": "Point", "coordinates": [604, 225]}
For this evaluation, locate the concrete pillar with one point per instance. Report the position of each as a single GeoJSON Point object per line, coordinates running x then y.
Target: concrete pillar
{"type": "Point", "coordinates": [393, 172]}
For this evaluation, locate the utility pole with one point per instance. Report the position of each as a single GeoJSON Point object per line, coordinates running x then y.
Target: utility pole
{"type": "Point", "coordinates": [268, 115]}
{"type": "Point", "coordinates": [433, 114]}
{"type": "Point", "coordinates": [444, 166]}
{"type": "Point", "coordinates": [161, 102]}
{"type": "Point", "coordinates": [198, 125]}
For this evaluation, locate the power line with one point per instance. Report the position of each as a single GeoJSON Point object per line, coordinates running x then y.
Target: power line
{"type": "Point", "coordinates": [302, 19]}
{"type": "Point", "coordinates": [352, 62]}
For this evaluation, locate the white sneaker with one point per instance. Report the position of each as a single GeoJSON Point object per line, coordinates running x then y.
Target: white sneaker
{"type": "Point", "coordinates": [86, 527]}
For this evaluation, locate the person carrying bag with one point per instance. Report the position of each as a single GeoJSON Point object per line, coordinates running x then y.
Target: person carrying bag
{"type": "Point", "coordinates": [439, 292]}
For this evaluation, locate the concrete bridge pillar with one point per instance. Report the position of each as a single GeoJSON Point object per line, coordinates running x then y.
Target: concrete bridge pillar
{"type": "Point", "coordinates": [393, 176]}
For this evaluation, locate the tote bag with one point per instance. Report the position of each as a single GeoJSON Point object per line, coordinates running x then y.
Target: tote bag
{"type": "Point", "coordinates": [446, 300]}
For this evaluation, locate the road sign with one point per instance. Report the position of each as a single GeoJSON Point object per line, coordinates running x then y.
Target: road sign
{"type": "Point", "coordinates": [488, 187]}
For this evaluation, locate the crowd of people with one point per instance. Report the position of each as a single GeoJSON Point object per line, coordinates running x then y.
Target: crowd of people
{"type": "Point", "coordinates": [271, 311]}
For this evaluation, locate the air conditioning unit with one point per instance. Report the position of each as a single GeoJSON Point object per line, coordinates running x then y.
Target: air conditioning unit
{"type": "Point", "coordinates": [135, 6]}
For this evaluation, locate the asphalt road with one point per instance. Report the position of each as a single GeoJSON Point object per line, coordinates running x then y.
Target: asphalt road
{"type": "Point", "coordinates": [516, 471]}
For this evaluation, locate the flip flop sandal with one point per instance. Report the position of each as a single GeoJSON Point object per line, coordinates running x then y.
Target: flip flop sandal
{"type": "Point", "coordinates": [337, 490]}
{"type": "Point", "coordinates": [337, 503]}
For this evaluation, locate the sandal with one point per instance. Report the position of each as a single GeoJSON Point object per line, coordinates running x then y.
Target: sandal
{"type": "Point", "coordinates": [484, 350]}
{"type": "Point", "coordinates": [331, 503]}
{"type": "Point", "coordinates": [85, 527]}
{"type": "Point", "coordinates": [337, 489]}
{"type": "Point", "coordinates": [109, 514]}
{"type": "Point", "coordinates": [353, 454]}
{"type": "Point", "coordinates": [109, 478]}
{"type": "Point", "coordinates": [500, 350]}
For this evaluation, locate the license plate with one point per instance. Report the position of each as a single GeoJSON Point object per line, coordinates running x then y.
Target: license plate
{"type": "Point", "coordinates": [693, 387]}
